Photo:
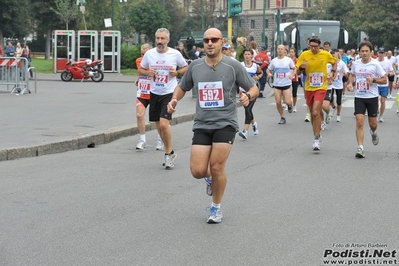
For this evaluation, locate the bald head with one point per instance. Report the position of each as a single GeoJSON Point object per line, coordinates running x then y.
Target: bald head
{"type": "Point", "coordinates": [213, 32]}
{"type": "Point", "coordinates": [213, 42]}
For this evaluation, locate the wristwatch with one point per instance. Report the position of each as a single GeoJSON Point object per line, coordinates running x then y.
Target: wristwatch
{"type": "Point", "coordinates": [248, 95]}
{"type": "Point", "coordinates": [374, 81]}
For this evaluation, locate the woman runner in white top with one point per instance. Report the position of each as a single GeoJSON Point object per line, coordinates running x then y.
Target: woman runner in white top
{"type": "Point", "coordinates": [256, 73]}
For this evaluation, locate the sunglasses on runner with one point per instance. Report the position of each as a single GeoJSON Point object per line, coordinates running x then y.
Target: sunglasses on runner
{"type": "Point", "coordinates": [213, 40]}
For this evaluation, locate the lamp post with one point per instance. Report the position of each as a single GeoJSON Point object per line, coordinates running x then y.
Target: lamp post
{"type": "Point", "coordinates": [202, 16]}
{"type": "Point", "coordinates": [326, 9]}
{"type": "Point", "coordinates": [123, 17]}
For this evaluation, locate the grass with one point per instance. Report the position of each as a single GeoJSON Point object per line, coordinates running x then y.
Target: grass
{"type": "Point", "coordinates": [46, 67]}
{"type": "Point", "coordinates": [42, 66]}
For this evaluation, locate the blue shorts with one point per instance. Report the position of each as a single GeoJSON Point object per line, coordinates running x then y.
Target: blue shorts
{"type": "Point", "coordinates": [383, 91]}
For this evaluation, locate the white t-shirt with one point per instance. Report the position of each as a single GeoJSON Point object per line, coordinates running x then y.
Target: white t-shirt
{"type": "Point", "coordinates": [397, 66]}
{"type": "Point", "coordinates": [341, 70]}
{"type": "Point", "coordinates": [362, 71]}
{"type": "Point", "coordinates": [392, 59]}
{"type": "Point", "coordinates": [282, 70]}
{"type": "Point", "coordinates": [387, 66]}
{"type": "Point", "coordinates": [162, 83]}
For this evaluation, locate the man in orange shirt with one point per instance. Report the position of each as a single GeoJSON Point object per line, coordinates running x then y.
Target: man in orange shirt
{"type": "Point", "coordinates": [142, 101]}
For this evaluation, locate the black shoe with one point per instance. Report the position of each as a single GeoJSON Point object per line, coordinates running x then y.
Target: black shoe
{"type": "Point", "coordinates": [261, 95]}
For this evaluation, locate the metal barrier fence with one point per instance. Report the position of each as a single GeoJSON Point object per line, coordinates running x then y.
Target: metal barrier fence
{"type": "Point", "coordinates": [14, 71]}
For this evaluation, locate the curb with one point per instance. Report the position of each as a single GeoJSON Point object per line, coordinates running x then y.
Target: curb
{"type": "Point", "coordinates": [90, 140]}
{"type": "Point", "coordinates": [86, 141]}
{"type": "Point", "coordinates": [113, 81]}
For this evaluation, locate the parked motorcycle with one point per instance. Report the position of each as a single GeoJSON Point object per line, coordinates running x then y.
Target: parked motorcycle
{"type": "Point", "coordinates": [83, 70]}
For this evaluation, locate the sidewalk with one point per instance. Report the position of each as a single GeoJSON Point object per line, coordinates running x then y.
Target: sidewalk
{"type": "Point", "coordinates": [108, 77]}
{"type": "Point", "coordinates": [64, 116]}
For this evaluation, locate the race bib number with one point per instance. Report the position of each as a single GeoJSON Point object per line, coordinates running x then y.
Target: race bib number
{"type": "Point", "coordinates": [362, 85]}
{"type": "Point", "coordinates": [210, 94]}
{"type": "Point", "coordinates": [144, 86]}
{"type": "Point", "coordinates": [161, 77]}
{"type": "Point", "coordinates": [316, 79]}
{"type": "Point", "coordinates": [280, 75]}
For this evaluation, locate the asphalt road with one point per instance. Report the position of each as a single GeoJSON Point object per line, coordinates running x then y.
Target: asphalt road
{"type": "Point", "coordinates": [284, 204]}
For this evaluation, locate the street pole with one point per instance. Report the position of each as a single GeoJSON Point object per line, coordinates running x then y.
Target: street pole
{"type": "Point", "coordinates": [238, 25]}
{"type": "Point", "coordinates": [202, 16]}
{"type": "Point", "coordinates": [113, 9]}
{"type": "Point", "coordinates": [264, 23]}
{"type": "Point", "coordinates": [278, 27]}
{"type": "Point", "coordinates": [327, 9]}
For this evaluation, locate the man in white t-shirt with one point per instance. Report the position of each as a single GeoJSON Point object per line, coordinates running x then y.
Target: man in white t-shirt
{"type": "Point", "coordinates": [161, 65]}
{"type": "Point", "coordinates": [383, 88]}
{"type": "Point", "coordinates": [368, 74]}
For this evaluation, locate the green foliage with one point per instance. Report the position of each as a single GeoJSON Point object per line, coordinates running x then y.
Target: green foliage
{"type": "Point", "coordinates": [204, 10]}
{"type": "Point", "coordinates": [14, 18]}
{"type": "Point", "coordinates": [129, 54]}
{"type": "Point", "coordinates": [148, 16]}
{"type": "Point", "coordinates": [379, 19]}
{"type": "Point", "coordinates": [177, 16]}
{"type": "Point", "coordinates": [65, 10]}
{"type": "Point", "coordinates": [97, 11]}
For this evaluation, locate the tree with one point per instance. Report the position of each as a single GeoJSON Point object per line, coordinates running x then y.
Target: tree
{"type": "Point", "coordinates": [14, 19]}
{"type": "Point", "coordinates": [66, 10]}
{"type": "Point", "coordinates": [379, 19]}
{"type": "Point", "coordinates": [98, 10]}
{"type": "Point", "coordinates": [177, 18]}
{"type": "Point", "coordinates": [46, 21]}
{"type": "Point", "coordinates": [148, 16]}
{"type": "Point", "coordinates": [204, 10]}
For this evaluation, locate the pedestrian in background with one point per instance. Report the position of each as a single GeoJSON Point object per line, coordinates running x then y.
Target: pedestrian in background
{"type": "Point", "coordinates": [10, 50]}
{"type": "Point", "coordinates": [241, 43]}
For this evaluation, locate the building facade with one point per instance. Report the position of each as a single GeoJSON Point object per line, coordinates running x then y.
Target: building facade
{"type": "Point", "coordinates": [249, 23]}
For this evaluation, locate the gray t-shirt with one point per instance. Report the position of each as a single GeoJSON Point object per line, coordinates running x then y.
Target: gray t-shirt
{"type": "Point", "coordinates": [216, 89]}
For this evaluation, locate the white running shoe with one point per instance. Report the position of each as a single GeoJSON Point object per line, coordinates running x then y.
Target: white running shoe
{"type": "Point", "coordinates": [294, 109]}
{"type": "Point", "coordinates": [332, 111]}
{"type": "Point", "coordinates": [141, 145]}
{"type": "Point", "coordinates": [338, 118]}
{"type": "Point", "coordinates": [323, 125]}
{"type": "Point", "coordinates": [316, 144]}
{"type": "Point", "coordinates": [243, 134]}
{"type": "Point", "coordinates": [169, 158]}
{"type": "Point", "coordinates": [381, 119]}
{"type": "Point", "coordinates": [255, 128]}
{"type": "Point", "coordinates": [160, 146]}
{"type": "Point", "coordinates": [374, 137]}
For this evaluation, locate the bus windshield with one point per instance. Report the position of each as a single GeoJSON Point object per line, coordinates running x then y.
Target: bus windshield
{"type": "Point", "coordinates": [325, 33]}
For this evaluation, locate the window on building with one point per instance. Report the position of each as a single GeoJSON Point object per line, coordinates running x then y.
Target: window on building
{"type": "Point", "coordinates": [252, 24]}
{"type": "Point", "coordinates": [266, 23]}
{"type": "Point", "coordinates": [307, 3]}
{"type": "Point", "coordinates": [284, 3]}
{"type": "Point", "coordinates": [268, 4]}
{"type": "Point", "coordinates": [252, 4]}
